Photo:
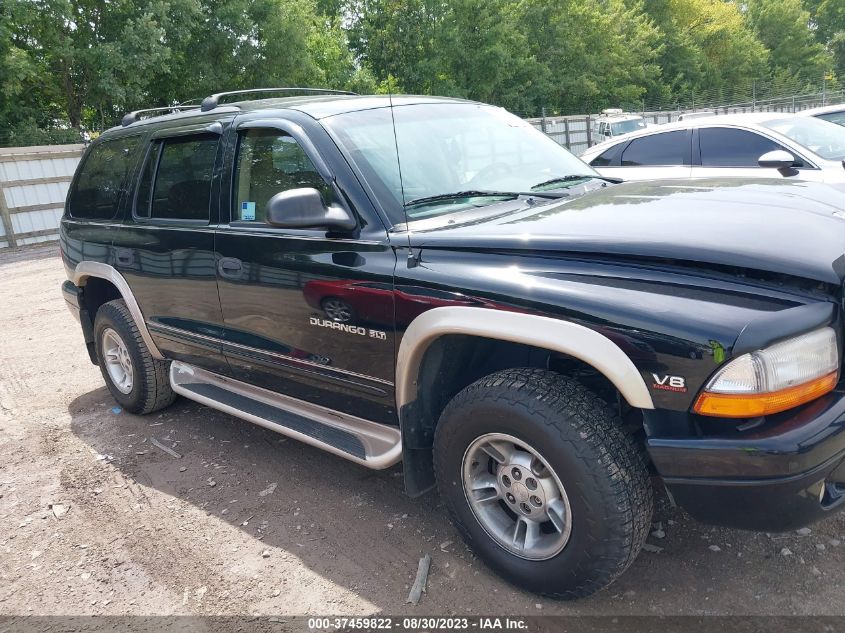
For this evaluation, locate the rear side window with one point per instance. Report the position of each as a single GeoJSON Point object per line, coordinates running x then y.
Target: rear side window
{"type": "Point", "coordinates": [102, 179]}
{"type": "Point", "coordinates": [658, 150]}
{"type": "Point", "coordinates": [729, 147]}
{"type": "Point", "coordinates": [176, 179]}
{"type": "Point", "coordinates": [606, 157]}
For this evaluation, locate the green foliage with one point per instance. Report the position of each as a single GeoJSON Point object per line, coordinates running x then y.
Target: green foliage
{"type": "Point", "coordinates": [782, 27]}
{"type": "Point", "coordinates": [828, 19]}
{"type": "Point", "coordinates": [83, 63]}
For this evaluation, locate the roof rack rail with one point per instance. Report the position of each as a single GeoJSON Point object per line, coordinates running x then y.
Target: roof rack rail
{"type": "Point", "coordinates": [212, 101]}
{"type": "Point", "coordinates": [134, 116]}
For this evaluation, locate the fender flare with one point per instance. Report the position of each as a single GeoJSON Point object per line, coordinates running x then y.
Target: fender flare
{"type": "Point", "coordinates": [85, 270]}
{"type": "Point", "coordinates": [577, 341]}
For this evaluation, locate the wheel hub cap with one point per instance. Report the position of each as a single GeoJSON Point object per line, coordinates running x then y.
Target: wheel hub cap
{"type": "Point", "coordinates": [516, 497]}
{"type": "Point", "coordinates": [117, 359]}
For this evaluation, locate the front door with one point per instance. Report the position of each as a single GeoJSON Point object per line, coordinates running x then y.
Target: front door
{"type": "Point", "coordinates": [734, 152]}
{"type": "Point", "coordinates": [306, 313]}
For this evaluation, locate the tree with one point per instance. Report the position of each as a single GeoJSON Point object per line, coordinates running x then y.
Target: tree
{"type": "Point", "coordinates": [95, 54]}
{"type": "Point", "coordinates": [709, 52]}
{"type": "Point", "coordinates": [828, 18]}
{"type": "Point", "coordinates": [783, 27]}
{"type": "Point", "coordinates": [596, 53]}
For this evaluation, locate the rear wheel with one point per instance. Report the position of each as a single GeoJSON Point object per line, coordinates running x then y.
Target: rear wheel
{"type": "Point", "coordinates": [136, 380]}
{"type": "Point", "coordinates": [542, 481]}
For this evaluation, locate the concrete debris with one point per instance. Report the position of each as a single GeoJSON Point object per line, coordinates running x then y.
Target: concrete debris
{"type": "Point", "coordinates": [268, 490]}
{"type": "Point", "coordinates": [166, 449]}
{"type": "Point", "coordinates": [59, 509]}
{"type": "Point", "coordinates": [715, 548]}
{"type": "Point", "coordinates": [419, 583]}
{"type": "Point", "coordinates": [786, 552]}
{"type": "Point", "coordinates": [804, 531]}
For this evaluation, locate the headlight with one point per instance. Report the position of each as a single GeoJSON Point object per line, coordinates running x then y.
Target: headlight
{"type": "Point", "coordinates": [773, 379]}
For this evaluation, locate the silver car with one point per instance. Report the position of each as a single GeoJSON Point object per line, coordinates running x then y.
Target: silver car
{"type": "Point", "coordinates": [767, 145]}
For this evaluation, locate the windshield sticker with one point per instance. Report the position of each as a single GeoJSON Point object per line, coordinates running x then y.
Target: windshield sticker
{"type": "Point", "coordinates": [247, 211]}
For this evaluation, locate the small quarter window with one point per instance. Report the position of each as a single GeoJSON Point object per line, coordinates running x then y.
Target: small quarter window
{"type": "Point", "coordinates": [102, 179]}
{"type": "Point", "coordinates": [176, 179]}
{"type": "Point", "coordinates": [269, 162]}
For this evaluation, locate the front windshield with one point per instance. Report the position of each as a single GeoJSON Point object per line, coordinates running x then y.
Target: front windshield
{"type": "Point", "coordinates": [623, 127]}
{"type": "Point", "coordinates": [822, 137]}
{"type": "Point", "coordinates": [449, 148]}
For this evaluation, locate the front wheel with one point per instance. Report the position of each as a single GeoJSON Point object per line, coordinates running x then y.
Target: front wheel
{"type": "Point", "coordinates": [542, 481]}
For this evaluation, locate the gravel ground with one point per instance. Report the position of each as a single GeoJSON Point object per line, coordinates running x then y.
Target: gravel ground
{"type": "Point", "coordinates": [95, 519]}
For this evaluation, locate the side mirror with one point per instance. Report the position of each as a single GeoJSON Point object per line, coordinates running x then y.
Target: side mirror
{"type": "Point", "coordinates": [305, 209]}
{"type": "Point", "coordinates": [777, 159]}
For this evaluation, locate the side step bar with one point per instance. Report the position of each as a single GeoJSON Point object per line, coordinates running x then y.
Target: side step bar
{"type": "Point", "coordinates": [368, 443]}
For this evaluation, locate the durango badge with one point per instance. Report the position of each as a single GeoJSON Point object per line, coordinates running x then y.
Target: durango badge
{"type": "Point", "coordinates": [670, 383]}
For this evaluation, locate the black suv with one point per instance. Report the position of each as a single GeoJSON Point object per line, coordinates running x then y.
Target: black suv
{"type": "Point", "coordinates": [434, 281]}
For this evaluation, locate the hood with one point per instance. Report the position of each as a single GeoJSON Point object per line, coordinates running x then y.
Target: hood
{"type": "Point", "coordinates": [795, 228]}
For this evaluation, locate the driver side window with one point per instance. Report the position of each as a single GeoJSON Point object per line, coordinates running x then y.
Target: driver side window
{"type": "Point", "coordinates": [269, 162]}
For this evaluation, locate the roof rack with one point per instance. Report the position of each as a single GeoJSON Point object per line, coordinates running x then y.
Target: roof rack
{"type": "Point", "coordinates": [211, 102]}
{"type": "Point", "coordinates": [134, 116]}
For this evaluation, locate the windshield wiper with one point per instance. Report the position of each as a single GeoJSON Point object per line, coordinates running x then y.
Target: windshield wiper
{"type": "Point", "coordinates": [571, 177]}
{"type": "Point", "coordinates": [475, 193]}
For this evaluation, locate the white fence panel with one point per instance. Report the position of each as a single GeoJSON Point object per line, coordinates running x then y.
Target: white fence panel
{"type": "Point", "coordinates": [33, 185]}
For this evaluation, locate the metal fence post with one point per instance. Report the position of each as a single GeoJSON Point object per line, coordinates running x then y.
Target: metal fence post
{"type": "Point", "coordinates": [543, 120]}
{"type": "Point", "coordinates": [566, 133]}
{"type": "Point", "coordinates": [589, 132]}
{"type": "Point", "coordinates": [9, 238]}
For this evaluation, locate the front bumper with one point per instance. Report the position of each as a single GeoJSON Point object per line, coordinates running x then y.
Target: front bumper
{"type": "Point", "coordinates": [784, 476]}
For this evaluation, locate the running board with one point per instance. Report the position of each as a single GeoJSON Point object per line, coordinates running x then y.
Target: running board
{"type": "Point", "coordinates": [368, 443]}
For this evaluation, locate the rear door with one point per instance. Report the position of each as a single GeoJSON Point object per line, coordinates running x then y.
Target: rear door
{"type": "Point", "coordinates": [306, 313]}
{"type": "Point", "coordinates": [165, 250]}
{"type": "Point", "coordinates": [663, 155]}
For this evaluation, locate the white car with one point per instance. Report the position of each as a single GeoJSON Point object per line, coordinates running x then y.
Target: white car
{"type": "Point", "coordinates": [760, 145]}
{"type": "Point", "coordinates": [832, 113]}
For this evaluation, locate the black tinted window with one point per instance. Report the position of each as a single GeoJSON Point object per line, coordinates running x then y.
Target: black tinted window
{"type": "Point", "coordinates": [605, 157]}
{"type": "Point", "coordinates": [665, 149]}
{"type": "Point", "coordinates": [728, 147]}
{"type": "Point", "coordinates": [180, 187]}
{"type": "Point", "coordinates": [102, 179]}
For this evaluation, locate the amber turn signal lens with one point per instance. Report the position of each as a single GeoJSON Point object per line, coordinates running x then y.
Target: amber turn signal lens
{"type": "Point", "coordinates": [756, 404]}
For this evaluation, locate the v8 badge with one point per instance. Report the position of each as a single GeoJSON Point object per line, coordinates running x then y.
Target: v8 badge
{"type": "Point", "coordinates": [669, 383]}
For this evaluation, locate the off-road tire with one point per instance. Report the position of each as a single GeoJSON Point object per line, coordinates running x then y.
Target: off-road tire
{"type": "Point", "coordinates": [151, 389]}
{"type": "Point", "coordinates": [602, 469]}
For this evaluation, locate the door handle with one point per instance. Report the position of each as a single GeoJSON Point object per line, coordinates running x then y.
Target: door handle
{"type": "Point", "coordinates": [124, 256]}
{"type": "Point", "coordinates": [230, 267]}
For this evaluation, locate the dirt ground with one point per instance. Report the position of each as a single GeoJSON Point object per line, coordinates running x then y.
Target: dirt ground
{"type": "Point", "coordinates": [95, 519]}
